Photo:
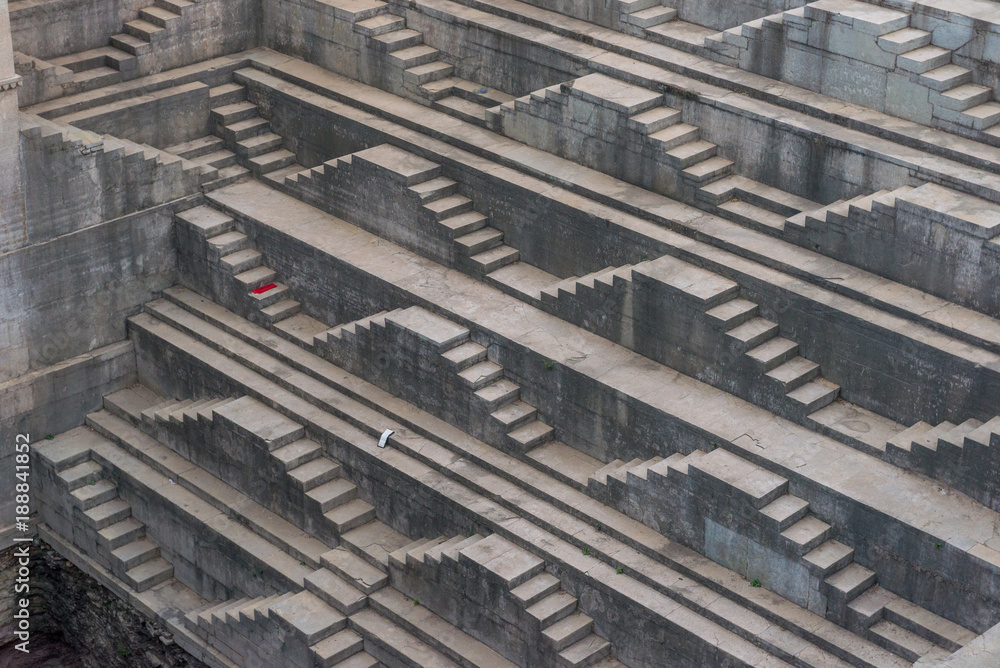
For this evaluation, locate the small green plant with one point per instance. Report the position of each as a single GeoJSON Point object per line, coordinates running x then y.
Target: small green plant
{"type": "Point", "coordinates": [755, 583]}
{"type": "Point", "coordinates": [123, 651]}
{"type": "Point", "coordinates": [620, 570]}
{"type": "Point", "coordinates": [937, 545]}
{"type": "Point", "coordinates": [258, 572]}
{"type": "Point", "coordinates": [586, 552]}
{"type": "Point", "coordinates": [49, 437]}
{"type": "Point", "coordinates": [549, 366]}
{"type": "Point", "coordinates": [93, 482]}
{"type": "Point", "coordinates": [598, 527]}
{"type": "Point", "coordinates": [302, 563]}
{"type": "Point", "coordinates": [416, 602]}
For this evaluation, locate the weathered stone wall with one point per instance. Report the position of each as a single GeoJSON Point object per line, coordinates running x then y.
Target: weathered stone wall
{"type": "Point", "coordinates": [50, 28]}
{"type": "Point", "coordinates": [78, 623]}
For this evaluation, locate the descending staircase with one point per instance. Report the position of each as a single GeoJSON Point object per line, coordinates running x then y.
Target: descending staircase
{"type": "Point", "coordinates": [756, 340]}
{"type": "Point", "coordinates": [115, 539]}
{"type": "Point", "coordinates": [423, 70]}
{"type": "Point", "coordinates": [119, 61]}
{"type": "Point", "coordinates": [950, 93]}
{"type": "Point", "coordinates": [243, 142]}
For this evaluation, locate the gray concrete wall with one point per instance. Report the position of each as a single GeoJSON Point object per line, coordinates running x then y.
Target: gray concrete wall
{"type": "Point", "coordinates": [71, 294]}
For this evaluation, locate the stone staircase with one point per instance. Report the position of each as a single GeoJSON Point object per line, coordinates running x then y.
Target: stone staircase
{"type": "Point", "coordinates": [119, 61]}
{"type": "Point", "coordinates": [840, 588]}
{"type": "Point", "coordinates": [927, 85]}
{"type": "Point", "coordinates": [412, 445]}
{"type": "Point", "coordinates": [461, 235]}
{"type": "Point", "coordinates": [757, 341]}
{"type": "Point", "coordinates": [419, 68]}
{"type": "Point", "coordinates": [114, 538]}
{"type": "Point", "coordinates": [293, 628]}
{"type": "Point", "coordinates": [962, 455]}
{"type": "Point", "coordinates": [548, 617]}
{"type": "Point", "coordinates": [894, 233]}
{"type": "Point", "coordinates": [240, 272]}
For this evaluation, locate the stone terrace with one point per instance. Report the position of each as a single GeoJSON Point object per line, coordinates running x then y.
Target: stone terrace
{"type": "Point", "coordinates": [423, 333]}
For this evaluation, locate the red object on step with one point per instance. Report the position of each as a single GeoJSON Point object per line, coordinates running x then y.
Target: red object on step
{"type": "Point", "coordinates": [261, 290]}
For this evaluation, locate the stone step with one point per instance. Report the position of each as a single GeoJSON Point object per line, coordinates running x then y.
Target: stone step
{"type": "Point", "coordinates": [314, 472]}
{"type": "Point", "coordinates": [565, 463]}
{"type": "Point", "coordinates": [226, 243]}
{"type": "Point", "coordinates": [266, 163]}
{"type": "Point", "coordinates": [654, 16]}
{"type": "Point", "coordinates": [586, 652]}
{"type": "Point", "coordinates": [413, 56]}
{"type": "Point", "coordinates": [350, 515]}
{"type": "Point", "coordinates": [81, 474]}
{"type": "Point", "coordinates": [229, 93]}
{"type": "Point", "coordinates": [828, 557]}
{"type": "Point", "coordinates": [568, 631]}
{"type": "Point", "coordinates": [691, 153]}
{"type": "Point", "coordinates": [849, 582]}
{"type": "Point", "coordinates": [751, 215]}
{"type": "Point", "coordinates": [196, 148]}
{"type": "Point", "coordinates": [135, 553]}
{"type": "Point", "coordinates": [929, 439]}
{"type": "Point", "coordinates": [462, 108]}
{"type": "Point", "coordinates": [144, 30]}
{"type": "Point", "coordinates": [784, 511]}
{"type": "Point", "coordinates": [479, 241]}
{"type": "Point", "coordinates": [707, 171]}
{"type": "Point", "coordinates": [435, 189]}
{"type": "Point", "coordinates": [129, 43]}
{"type": "Point", "coordinates": [463, 224]}
{"type": "Point", "coordinates": [531, 435]}
{"type": "Point", "coordinates": [354, 570]}
{"type": "Point", "coordinates": [394, 646]}
{"type": "Point", "coordinates": [105, 514]}
{"type": "Point", "coordinates": [255, 278]}
{"type": "Point", "coordinates": [380, 25]}
{"type": "Point", "coordinates": [335, 591]}
{"type": "Point", "coordinates": [514, 415]}
{"type": "Point", "coordinates": [241, 261]}
{"type": "Point", "coordinates": [924, 59]}
{"type": "Point", "coordinates": [341, 650]}
{"type": "Point", "coordinates": [447, 207]}
{"type": "Point", "coordinates": [654, 120]}
{"type": "Point", "coordinates": [298, 453]}
{"type": "Point", "coordinates": [899, 641]}
{"type": "Point", "coordinates": [270, 296]}
{"type": "Point", "coordinates": [94, 494]}
{"type": "Point", "coordinates": [498, 394]}
{"type": "Point", "coordinates": [373, 542]}
{"type": "Point", "coordinates": [241, 130]}
{"type": "Point", "coordinates": [946, 77]}
{"type": "Point", "coordinates": [674, 136]}
{"type": "Point", "coordinates": [773, 353]}
{"type": "Point", "coordinates": [905, 40]}
{"type": "Point", "coordinates": [159, 16]}
{"type": "Point", "coordinates": [120, 533]}
{"type": "Point", "coordinates": [537, 588]}
{"type": "Point", "coordinates": [494, 258]}
{"type": "Point", "coordinates": [552, 608]}
{"type": "Point", "coordinates": [962, 98]}
{"type": "Point", "coordinates": [333, 494]}
{"type": "Point", "coordinates": [252, 147]}
{"type": "Point", "coordinates": [733, 313]}
{"type": "Point", "coordinates": [951, 443]}
{"type": "Point", "coordinates": [794, 373]}
{"type": "Point", "coordinates": [464, 356]}
{"type": "Point", "coordinates": [228, 114]}
{"type": "Point", "coordinates": [752, 333]}
{"type": "Point", "coordinates": [397, 40]}
{"type": "Point", "coordinates": [149, 574]}
{"type": "Point", "coordinates": [927, 625]}
{"type": "Point", "coordinates": [983, 116]}
{"type": "Point", "coordinates": [478, 376]}
{"type": "Point", "coordinates": [814, 395]}
{"type": "Point", "coordinates": [301, 329]}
